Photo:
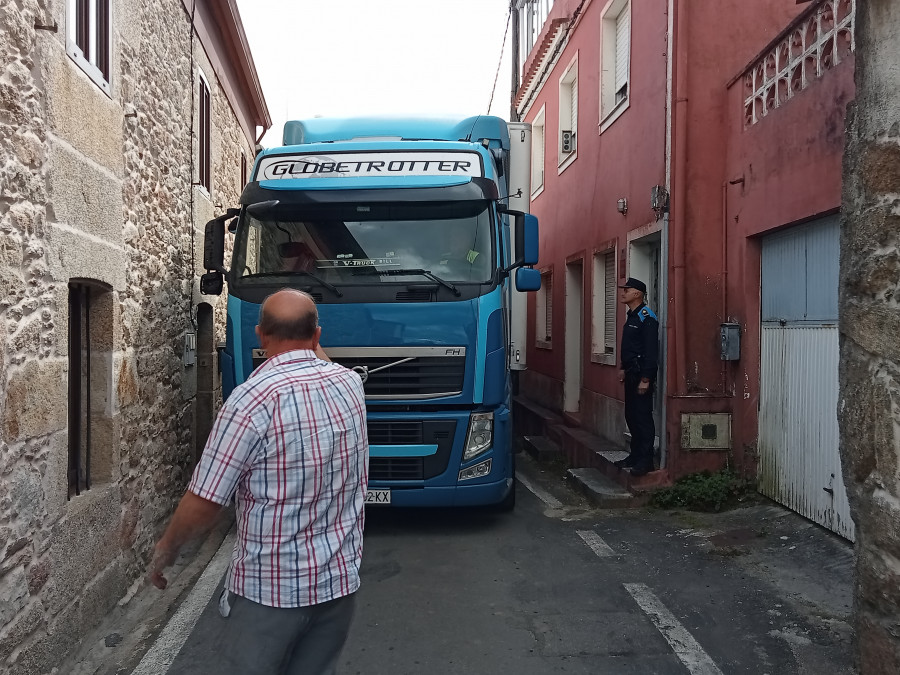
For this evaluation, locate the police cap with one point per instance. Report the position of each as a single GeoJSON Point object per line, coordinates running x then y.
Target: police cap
{"type": "Point", "coordinates": [636, 284]}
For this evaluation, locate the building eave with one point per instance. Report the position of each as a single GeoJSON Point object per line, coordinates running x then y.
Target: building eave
{"type": "Point", "coordinates": [229, 18]}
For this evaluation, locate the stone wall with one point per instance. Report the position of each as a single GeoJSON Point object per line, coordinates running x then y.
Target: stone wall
{"type": "Point", "coordinates": [869, 404]}
{"type": "Point", "coordinates": [98, 189]}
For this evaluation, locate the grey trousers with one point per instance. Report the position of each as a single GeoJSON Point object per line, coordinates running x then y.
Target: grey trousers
{"type": "Point", "coordinates": [289, 641]}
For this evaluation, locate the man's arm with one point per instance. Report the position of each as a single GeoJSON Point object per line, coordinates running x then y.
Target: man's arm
{"type": "Point", "coordinates": [193, 517]}
{"type": "Point", "coordinates": [650, 348]}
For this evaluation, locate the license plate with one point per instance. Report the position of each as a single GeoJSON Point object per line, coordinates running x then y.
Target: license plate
{"type": "Point", "coordinates": [378, 496]}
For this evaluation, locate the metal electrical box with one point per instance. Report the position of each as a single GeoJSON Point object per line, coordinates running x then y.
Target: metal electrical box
{"type": "Point", "coordinates": [730, 341]}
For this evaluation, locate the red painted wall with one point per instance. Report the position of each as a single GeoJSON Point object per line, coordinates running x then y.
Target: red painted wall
{"type": "Point", "coordinates": [790, 163]}
{"type": "Point", "coordinates": [577, 208]}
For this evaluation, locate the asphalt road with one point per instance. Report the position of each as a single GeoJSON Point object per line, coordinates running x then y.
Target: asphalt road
{"type": "Point", "coordinates": [560, 587]}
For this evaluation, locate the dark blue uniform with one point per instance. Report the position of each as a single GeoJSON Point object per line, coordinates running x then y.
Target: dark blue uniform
{"type": "Point", "coordinates": [640, 349]}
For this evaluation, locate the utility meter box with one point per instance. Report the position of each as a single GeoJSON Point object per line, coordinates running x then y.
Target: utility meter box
{"type": "Point", "coordinates": [730, 335]}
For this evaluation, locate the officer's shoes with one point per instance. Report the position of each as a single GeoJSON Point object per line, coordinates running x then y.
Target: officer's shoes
{"type": "Point", "coordinates": [626, 463]}
{"type": "Point", "coordinates": [641, 470]}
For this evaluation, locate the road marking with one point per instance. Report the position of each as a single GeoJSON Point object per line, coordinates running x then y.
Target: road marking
{"type": "Point", "coordinates": [686, 648]}
{"type": "Point", "coordinates": [175, 634]}
{"type": "Point", "coordinates": [598, 546]}
{"type": "Point", "coordinates": [541, 494]}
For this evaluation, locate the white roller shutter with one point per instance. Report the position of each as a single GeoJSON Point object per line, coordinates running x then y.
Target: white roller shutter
{"type": "Point", "coordinates": [609, 315]}
{"type": "Point", "coordinates": [623, 47]}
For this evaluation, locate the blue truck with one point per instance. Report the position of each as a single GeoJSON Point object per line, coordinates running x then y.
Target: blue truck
{"type": "Point", "coordinates": [413, 237]}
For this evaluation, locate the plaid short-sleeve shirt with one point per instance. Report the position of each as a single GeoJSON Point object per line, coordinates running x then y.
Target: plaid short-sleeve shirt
{"type": "Point", "coordinates": [290, 446]}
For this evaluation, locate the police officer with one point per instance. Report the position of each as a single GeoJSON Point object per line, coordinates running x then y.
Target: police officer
{"type": "Point", "coordinates": [640, 345]}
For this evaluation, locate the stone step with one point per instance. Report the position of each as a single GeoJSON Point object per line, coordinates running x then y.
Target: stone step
{"type": "Point", "coordinates": [602, 490]}
{"type": "Point", "coordinates": [541, 448]}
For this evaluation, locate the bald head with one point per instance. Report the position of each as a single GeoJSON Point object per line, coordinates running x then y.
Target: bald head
{"type": "Point", "coordinates": [289, 316]}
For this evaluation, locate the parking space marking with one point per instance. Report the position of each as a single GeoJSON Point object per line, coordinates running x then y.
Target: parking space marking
{"type": "Point", "coordinates": [598, 546]}
{"type": "Point", "coordinates": [175, 634]}
{"type": "Point", "coordinates": [686, 648]}
{"type": "Point", "coordinates": [540, 493]}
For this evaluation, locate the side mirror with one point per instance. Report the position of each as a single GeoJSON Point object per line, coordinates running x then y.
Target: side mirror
{"type": "Point", "coordinates": [214, 245]}
{"type": "Point", "coordinates": [212, 283]}
{"type": "Point", "coordinates": [527, 239]}
{"type": "Point", "coordinates": [528, 279]}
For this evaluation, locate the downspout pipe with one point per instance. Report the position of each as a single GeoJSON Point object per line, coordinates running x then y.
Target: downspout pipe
{"type": "Point", "coordinates": [676, 330]}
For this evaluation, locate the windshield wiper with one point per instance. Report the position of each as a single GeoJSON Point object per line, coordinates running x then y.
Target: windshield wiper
{"type": "Point", "coordinates": [331, 287]}
{"type": "Point", "coordinates": [424, 273]}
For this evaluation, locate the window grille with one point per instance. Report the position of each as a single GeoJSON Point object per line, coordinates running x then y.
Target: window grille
{"type": "Point", "coordinates": [89, 38]}
{"type": "Point", "coordinates": [79, 388]}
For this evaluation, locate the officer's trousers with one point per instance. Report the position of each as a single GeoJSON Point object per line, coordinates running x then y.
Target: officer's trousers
{"type": "Point", "coordinates": [639, 418]}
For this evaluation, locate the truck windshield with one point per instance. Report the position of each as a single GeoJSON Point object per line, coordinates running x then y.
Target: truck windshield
{"type": "Point", "coordinates": [349, 244]}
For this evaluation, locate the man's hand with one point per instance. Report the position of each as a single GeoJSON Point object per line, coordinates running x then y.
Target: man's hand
{"type": "Point", "coordinates": [643, 386]}
{"type": "Point", "coordinates": [162, 558]}
{"type": "Point", "coordinates": [621, 376]}
{"type": "Point", "coordinates": [193, 518]}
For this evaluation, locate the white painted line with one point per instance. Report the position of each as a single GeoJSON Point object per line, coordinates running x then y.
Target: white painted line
{"type": "Point", "coordinates": [598, 546]}
{"type": "Point", "coordinates": [541, 494]}
{"type": "Point", "coordinates": [175, 634]}
{"type": "Point", "coordinates": [686, 648]}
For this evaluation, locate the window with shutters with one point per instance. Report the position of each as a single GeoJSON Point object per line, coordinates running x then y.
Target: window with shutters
{"type": "Point", "coordinates": [604, 302]}
{"type": "Point", "coordinates": [89, 39]}
{"type": "Point", "coordinates": [568, 115]}
{"type": "Point", "coordinates": [615, 61]}
{"type": "Point", "coordinates": [203, 134]}
{"type": "Point", "coordinates": [544, 315]}
{"type": "Point", "coordinates": [537, 154]}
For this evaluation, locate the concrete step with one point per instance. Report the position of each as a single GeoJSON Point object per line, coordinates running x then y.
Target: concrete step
{"type": "Point", "coordinates": [602, 490]}
{"type": "Point", "coordinates": [541, 448]}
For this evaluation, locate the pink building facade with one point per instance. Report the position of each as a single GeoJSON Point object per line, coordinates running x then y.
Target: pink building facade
{"type": "Point", "coordinates": [680, 143]}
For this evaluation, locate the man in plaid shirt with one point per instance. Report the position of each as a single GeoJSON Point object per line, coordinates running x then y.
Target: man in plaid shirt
{"type": "Point", "coordinates": [290, 447]}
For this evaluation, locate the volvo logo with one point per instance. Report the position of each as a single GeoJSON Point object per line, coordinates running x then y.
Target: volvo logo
{"type": "Point", "coordinates": [363, 372]}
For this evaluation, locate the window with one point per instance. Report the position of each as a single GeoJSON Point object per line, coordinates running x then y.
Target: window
{"type": "Point", "coordinates": [568, 114]}
{"type": "Point", "coordinates": [88, 38]}
{"type": "Point", "coordinates": [89, 422]}
{"type": "Point", "coordinates": [537, 154]}
{"type": "Point", "coordinates": [544, 313]}
{"type": "Point", "coordinates": [203, 154]}
{"type": "Point", "coordinates": [243, 171]}
{"type": "Point", "coordinates": [603, 329]}
{"type": "Point", "coordinates": [615, 60]}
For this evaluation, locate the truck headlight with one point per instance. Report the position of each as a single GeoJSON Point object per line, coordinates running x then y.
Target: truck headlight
{"type": "Point", "coordinates": [480, 436]}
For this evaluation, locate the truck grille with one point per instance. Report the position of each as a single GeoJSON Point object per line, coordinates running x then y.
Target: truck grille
{"type": "Point", "coordinates": [399, 432]}
{"type": "Point", "coordinates": [406, 372]}
{"type": "Point", "coordinates": [396, 468]}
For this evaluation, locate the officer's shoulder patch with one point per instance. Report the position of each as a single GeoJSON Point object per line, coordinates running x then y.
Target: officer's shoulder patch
{"type": "Point", "coordinates": [645, 313]}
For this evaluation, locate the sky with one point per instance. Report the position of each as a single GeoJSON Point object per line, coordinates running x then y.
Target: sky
{"type": "Point", "coordinates": [344, 58]}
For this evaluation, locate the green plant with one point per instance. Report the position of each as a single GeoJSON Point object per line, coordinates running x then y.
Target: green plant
{"type": "Point", "coordinates": [703, 491]}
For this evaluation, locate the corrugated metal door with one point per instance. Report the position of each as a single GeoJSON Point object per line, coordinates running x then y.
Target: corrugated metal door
{"type": "Point", "coordinates": [799, 464]}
